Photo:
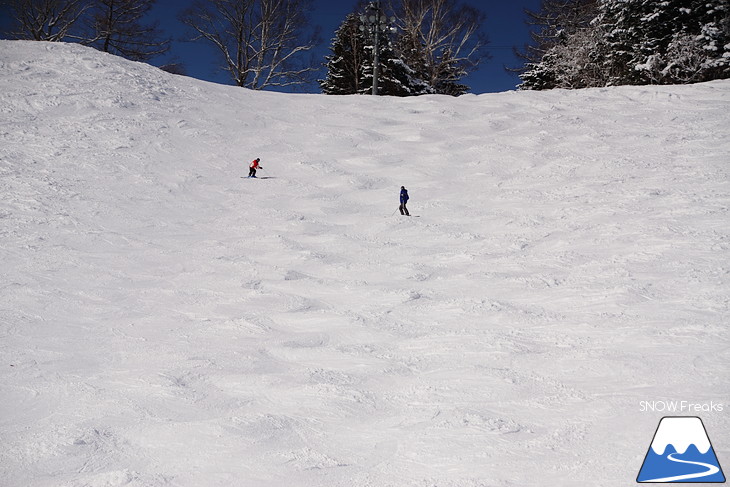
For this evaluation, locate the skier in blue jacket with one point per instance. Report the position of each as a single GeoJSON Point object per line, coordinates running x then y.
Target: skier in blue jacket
{"type": "Point", "coordinates": [403, 201]}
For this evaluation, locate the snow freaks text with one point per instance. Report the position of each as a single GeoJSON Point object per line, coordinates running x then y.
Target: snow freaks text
{"type": "Point", "coordinates": [680, 407]}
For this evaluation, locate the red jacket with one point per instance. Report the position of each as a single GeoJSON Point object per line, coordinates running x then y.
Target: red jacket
{"type": "Point", "coordinates": [254, 164]}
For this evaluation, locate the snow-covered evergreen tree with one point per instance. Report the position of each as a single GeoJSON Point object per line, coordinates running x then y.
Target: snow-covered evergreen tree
{"type": "Point", "coordinates": [672, 41]}
{"type": "Point", "coordinates": [395, 76]}
{"type": "Point", "coordinates": [699, 49]}
{"type": "Point", "coordinates": [639, 42]}
{"type": "Point", "coordinates": [345, 64]}
{"type": "Point", "coordinates": [350, 66]}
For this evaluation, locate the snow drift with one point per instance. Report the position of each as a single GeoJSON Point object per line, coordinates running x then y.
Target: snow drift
{"type": "Point", "coordinates": [165, 322]}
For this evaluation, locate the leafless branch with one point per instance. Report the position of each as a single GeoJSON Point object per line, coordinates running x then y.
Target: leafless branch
{"type": "Point", "coordinates": [45, 20]}
{"type": "Point", "coordinates": [259, 40]}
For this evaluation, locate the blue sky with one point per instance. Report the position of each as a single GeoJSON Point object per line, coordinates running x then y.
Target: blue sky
{"type": "Point", "coordinates": [505, 27]}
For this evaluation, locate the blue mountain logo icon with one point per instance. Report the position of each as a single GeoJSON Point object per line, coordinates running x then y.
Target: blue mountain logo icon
{"type": "Point", "coordinates": [681, 452]}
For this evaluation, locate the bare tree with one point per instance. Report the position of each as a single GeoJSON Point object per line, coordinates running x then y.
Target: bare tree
{"type": "Point", "coordinates": [555, 20]}
{"type": "Point", "coordinates": [260, 40]}
{"type": "Point", "coordinates": [115, 27]}
{"type": "Point", "coordinates": [442, 40]}
{"type": "Point", "coordinates": [574, 62]}
{"type": "Point", "coordinates": [45, 20]}
{"type": "Point", "coordinates": [555, 28]}
{"type": "Point", "coordinates": [687, 61]}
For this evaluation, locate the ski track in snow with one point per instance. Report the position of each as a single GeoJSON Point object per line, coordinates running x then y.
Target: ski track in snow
{"type": "Point", "coordinates": [165, 323]}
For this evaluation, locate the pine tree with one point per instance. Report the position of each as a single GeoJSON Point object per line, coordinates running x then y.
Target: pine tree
{"type": "Point", "coordinates": [624, 23]}
{"type": "Point", "coordinates": [345, 64]}
{"type": "Point", "coordinates": [698, 48]}
{"type": "Point", "coordinates": [350, 66]}
{"type": "Point", "coordinates": [672, 41]}
{"type": "Point", "coordinates": [396, 77]}
{"type": "Point", "coordinates": [636, 42]}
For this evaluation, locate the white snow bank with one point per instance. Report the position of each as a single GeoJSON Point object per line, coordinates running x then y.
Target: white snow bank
{"type": "Point", "coordinates": [165, 322]}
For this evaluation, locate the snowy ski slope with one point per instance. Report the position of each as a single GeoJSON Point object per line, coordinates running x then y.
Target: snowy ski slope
{"type": "Point", "coordinates": [164, 322]}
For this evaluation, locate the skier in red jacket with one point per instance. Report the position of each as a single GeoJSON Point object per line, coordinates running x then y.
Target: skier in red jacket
{"type": "Point", "coordinates": [252, 168]}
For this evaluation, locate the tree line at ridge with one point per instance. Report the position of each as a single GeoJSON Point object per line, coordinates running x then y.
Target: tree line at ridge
{"type": "Point", "coordinates": [424, 46]}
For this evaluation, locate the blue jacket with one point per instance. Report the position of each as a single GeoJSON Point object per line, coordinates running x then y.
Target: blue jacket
{"type": "Point", "coordinates": [403, 195]}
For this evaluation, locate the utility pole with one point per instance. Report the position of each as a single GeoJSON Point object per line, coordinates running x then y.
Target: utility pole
{"type": "Point", "coordinates": [375, 23]}
{"type": "Point", "coordinates": [376, 54]}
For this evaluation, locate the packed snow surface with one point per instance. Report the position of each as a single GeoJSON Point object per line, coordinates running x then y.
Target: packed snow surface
{"type": "Point", "coordinates": [164, 322]}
